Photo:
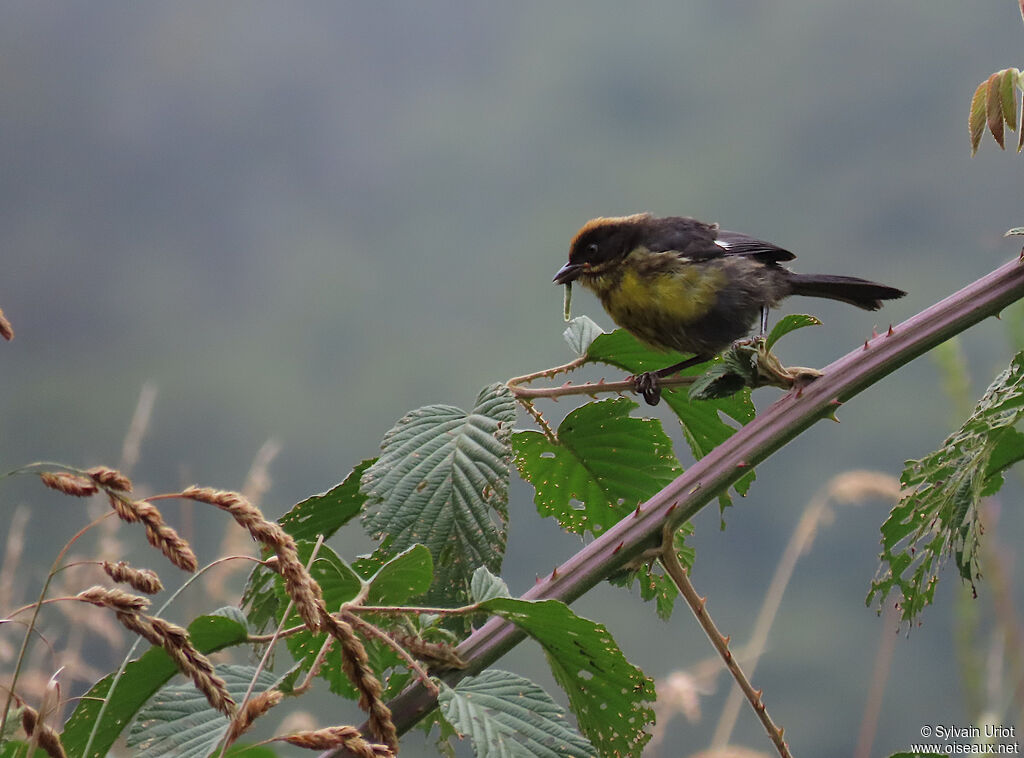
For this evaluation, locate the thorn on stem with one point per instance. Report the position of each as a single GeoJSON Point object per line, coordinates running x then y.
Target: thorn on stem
{"type": "Point", "coordinates": [890, 332]}
{"type": "Point", "coordinates": [618, 547]}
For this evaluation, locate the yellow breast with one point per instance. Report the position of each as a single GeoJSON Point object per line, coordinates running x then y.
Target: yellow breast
{"type": "Point", "coordinates": [682, 295]}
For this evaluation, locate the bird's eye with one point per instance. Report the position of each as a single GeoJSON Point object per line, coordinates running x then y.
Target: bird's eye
{"type": "Point", "coordinates": [592, 248]}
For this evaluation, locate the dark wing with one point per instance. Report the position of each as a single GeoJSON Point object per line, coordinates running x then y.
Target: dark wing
{"type": "Point", "coordinates": [699, 241]}
{"type": "Point", "coordinates": [734, 243]}
{"type": "Point", "coordinates": [686, 236]}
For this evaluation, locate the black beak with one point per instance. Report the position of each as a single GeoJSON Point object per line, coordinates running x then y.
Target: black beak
{"type": "Point", "coordinates": [568, 273]}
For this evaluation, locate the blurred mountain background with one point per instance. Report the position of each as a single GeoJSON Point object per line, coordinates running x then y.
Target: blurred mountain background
{"type": "Point", "coordinates": [299, 221]}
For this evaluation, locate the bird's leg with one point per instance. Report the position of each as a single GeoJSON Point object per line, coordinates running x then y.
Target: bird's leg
{"type": "Point", "coordinates": [764, 320]}
{"type": "Point", "coordinates": [647, 383]}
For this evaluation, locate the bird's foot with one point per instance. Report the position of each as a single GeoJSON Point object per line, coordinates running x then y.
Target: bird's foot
{"type": "Point", "coordinates": [647, 385]}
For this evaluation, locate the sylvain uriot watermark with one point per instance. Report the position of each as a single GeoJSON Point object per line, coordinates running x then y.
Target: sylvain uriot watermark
{"type": "Point", "coordinates": [954, 732]}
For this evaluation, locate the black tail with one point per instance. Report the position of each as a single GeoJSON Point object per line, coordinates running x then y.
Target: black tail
{"type": "Point", "coordinates": [848, 289]}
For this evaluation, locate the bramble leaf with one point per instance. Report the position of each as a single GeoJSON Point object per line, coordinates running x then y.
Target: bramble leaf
{"type": "Point", "coordinates": [442, 481]}
{"type": "Point", "coordinates": [506, 715]}
{"type": "Point", "coordinates": [602, 465]}
{"type": "Point", "coordinates": [609, 696]}
{"type": "Point", "coordinates": [702, 420]}
{"type": "Point", "coordinates": [326, 513]}
{"type": "Point", "coordinates": [938, 515]}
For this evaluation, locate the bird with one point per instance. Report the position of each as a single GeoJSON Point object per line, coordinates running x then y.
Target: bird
{"type": "Point", "coordinates": [677, 283]}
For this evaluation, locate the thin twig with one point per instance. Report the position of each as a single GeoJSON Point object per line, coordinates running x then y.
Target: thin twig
{"type": "Point", "coordinates": [592, 388]}
{"type": "Point", "coordinates": [677, 572]}
{"type": "Point", "coordinates": [546, 373]}
{"type": "Point", "coordinates": [406, 609]}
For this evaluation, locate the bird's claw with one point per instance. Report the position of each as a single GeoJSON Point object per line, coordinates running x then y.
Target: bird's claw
{"type": "Point", "coordinates": [647, 385]}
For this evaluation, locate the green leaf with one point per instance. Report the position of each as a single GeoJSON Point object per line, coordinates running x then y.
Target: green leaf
{"type": "Point", "coordinates": [326, 513]}
{"type": "Point", "coordinates": [178, 722]}
{"type": "Point", "coordinates": [702, 421]}
{"type": "Point", "coordinates": [486, 585]}
{"type": "Point", "coordinates": [442, 480]}
{"type": "Point", "coordinates": [1009, 449]}
{"type": "Point", "coordinates": [1008, 96]}
{"type": "Point", "coordinates": [405, 576]}
{"type": "Point", "coordinates": [506, 715]}
{"type": "Point", "coordinates": [622, 349]}
{"type": "Point", "coordinates": [580, 333]}
{"type": "Point", "coordinates": [141, 678]}
{"type": "Point", "coordinates": [609, 696]}
{"type": "Point", "coordinates": [789, 323]}
{"type": "Point", "coordinates": [976, 122]}
{"type": "Point", "coordinates": [938, 515]}
{"type": "Point", "coordinates": [602, 466]}
{"type": "Point", "coordinates": [994, 109]}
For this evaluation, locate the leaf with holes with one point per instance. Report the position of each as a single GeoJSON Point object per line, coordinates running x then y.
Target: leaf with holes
{"type": "Point", "coordinates": [442, 481]}
{"type": "Point", "coordinates": [603, 464]}
{"type": "Point", "coordinates": [703, 421]}
{"type": "Point", "coordinates": [507, 715]}
{"type": "Point", "coordinates": [938, 514]}
{"type": "Point", "coordinates": [609, 696]}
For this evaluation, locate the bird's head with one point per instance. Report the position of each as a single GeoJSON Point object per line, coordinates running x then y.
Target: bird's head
{"type": "Point", "coordinates": [601, 244]}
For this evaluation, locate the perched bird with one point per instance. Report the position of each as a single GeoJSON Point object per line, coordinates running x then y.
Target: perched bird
{"type": "Point", "coordinates": [680, 284]}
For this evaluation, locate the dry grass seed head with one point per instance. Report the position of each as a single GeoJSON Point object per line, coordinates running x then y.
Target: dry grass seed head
{"type": "Point", "coordinates": [110, 477]}
{"type": "Point", "coordinates": [44, 736]}
{"type": "Point", "coordinates": [6, 330]}
{"type": "Point", "coordinates": [255, 707]}
{"type": "Point", "coordinates": [142, 580]}
{"type": "Point", "coordinates": [347, 737]}
{"type": "Point", "coordinates": [69, 484]}
{"type": "Point", "coordinates": [115, 599]}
